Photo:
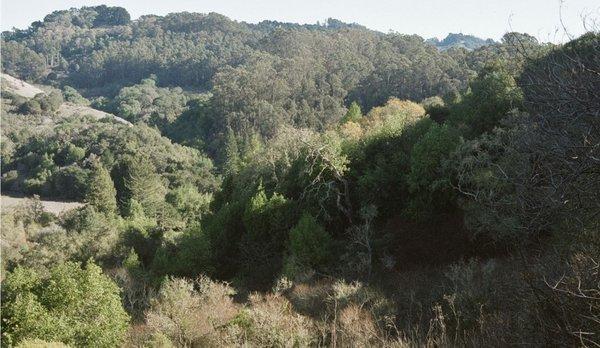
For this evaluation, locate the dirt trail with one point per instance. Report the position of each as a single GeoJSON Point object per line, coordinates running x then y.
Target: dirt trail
{"type": "Point", "coordinates": [19, 87]}
{"type": "Point", "coordinates": [54, 207]}
{"type": "Point", "coordinates": [67, 109]}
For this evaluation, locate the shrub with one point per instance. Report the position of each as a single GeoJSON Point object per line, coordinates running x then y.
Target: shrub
{"type": "Point", "coordinates": [71, 182]}
{"type": "Point", "coordinates": [190, 313]}
{"type": "Point", "coordinates": [69, 154]}
{"type": "Point", "coordinates": [188, 253]}
{"type": "Point", "coordinates": [37, 343]}
{"type": "Point", "coordinates": [71, 95]}
{"type": "Point", "coordinates": [50, 102]}
{"type": "Point", "coordinates": [191, 204]}
{"type": "Point", "coordinates": [270, 321]}
{"type": "Point", "coordinates": [97, 235]}
{"type": "Point", "coordinates": [31, 106]}
{"type": "Point", "coordinates": [74, 305]}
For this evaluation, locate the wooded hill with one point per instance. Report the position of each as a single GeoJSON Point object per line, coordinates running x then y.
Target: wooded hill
{"type": "Point", "coordinates": [298, 185]}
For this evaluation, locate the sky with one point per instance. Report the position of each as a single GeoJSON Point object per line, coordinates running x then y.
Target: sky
{"type": "Point", "coordinates": [427, 18]}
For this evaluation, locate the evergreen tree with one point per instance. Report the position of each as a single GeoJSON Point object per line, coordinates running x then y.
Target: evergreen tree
{"type": "Point", "coordinates": [232, 153]}
{"type": "Point", "coordinates": [309, 246]}
{"type": "Point", "coordinates": [101, 191]}
{"type": "Point", "coordinates": [354, 113]}
{"type": "Point", "coordinates": [144, 184]}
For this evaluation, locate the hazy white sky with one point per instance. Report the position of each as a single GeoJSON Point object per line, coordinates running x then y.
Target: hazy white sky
{"type": "Point", "coordinates": [428, 18]}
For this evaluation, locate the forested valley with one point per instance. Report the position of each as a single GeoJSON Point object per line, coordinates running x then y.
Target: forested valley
{"type": "Point", "coordinates": [287, 185]}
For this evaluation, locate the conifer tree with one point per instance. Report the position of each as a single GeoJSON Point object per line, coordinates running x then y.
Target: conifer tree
{"type": "Point", "coordinates": [101, 191]}
{"type": "Point", "coordinates": [354, 113]}
{"type": "Point", "coordinates": [232, 153]}
{"type": "Point", "coordinates": [144, 184]}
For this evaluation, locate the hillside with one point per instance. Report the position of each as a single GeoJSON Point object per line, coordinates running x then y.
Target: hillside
{"type": "Point", "coordinates": [23, 89]}
{"type": "Point", "coordinates": [19, 87]}
{"type": "Point", "coordinates": [468, 42]}
{"type": "Point", "coordinates": [287, 185]}
{"type": "Point", "coordinates": [54, 207]}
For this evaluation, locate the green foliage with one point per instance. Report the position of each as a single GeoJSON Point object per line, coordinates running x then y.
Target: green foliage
{"type": "Point", "coordinates": [266, 222]}
{"type": "Point", "coordinates": [150, 104]}
{"type": "Point", "coordinates": [39, 180]}
{"type": "Point", "coordinates": [72, 95]}
{"type": "Point", "coordinates": [191, 204]}
{"type": "Point", "coordinates": [429, 179]}
{"type": "Point", "coordinates": [37, 343]}
{"type": "Point", "coordinates": [50, 102]}
{"type": "Point", "coordinates": [69, 154]}
{"type": "Point", "coordinates": [71, 182]}
{"type": "Point", "coordinates": [310, 246]}
{"type": "Point", "coordinates": [50, 160]}
{"type": "Point", "coordinates": [381, 161]}
{"type": "Point", "coordinates": [436, 108]}
{"type": "Point", "coordinates": [354, 114]}
{"type": "Point", "coordinates": [143, 185]}
{"type": "Point", "coordinates": [42, 103]}
{"type": "Point", "coordinates": [189, 253]}
{"type": "Point", "coordinates": [493, 94]}
{"type": "Point", "coordinates": [110, 15]}
{"type": "Point", "coordinates": [74, 305]}
{"type": "Point", "coordinates": [83, 234]}
{"type": "Point", "coordinates": [261, 79]}
{"type": "Point", "coordinates": [31, 106]}
{"type": "Point", "coordinates": [454, 40]}
{"type": "Point", "coordinates": [232, 154]}
{"type": "Point", "coordinates": [310, 189]}
{"type": "Point", "coordinates": [101, 191]}
{"type": "Point", "coordinates": [20, 61]}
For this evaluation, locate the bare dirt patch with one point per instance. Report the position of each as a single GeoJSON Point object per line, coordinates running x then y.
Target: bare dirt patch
{"type": "Point", "coordinates": [54, 207]}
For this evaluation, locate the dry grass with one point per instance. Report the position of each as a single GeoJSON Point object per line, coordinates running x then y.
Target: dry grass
{"type": "Point", "coordinates": [54, 207]}
{"type": "Point", "coordinates": [19, 87]}
{"type": "Point", "coordinates": [492, 303]}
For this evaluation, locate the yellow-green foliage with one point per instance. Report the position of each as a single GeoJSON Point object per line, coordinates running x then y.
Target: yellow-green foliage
{"type": "Point", "coordinates": [74, 305]}
{"type": "Point", "coordinates": [394, 116]}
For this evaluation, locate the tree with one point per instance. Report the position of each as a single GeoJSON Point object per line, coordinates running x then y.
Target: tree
{"type": "Point", "coordinates": [540, 170]}
{"type": "Point", "coordinates": [494, 93]}
{"type": "Point", "coordinates": [73, 305]}
{"type": "Point", "coordinates": [112, 15]}
{"type": "Point", "coordinates": [71, 95]}
{"type": "Point", "coordinates": [143, 184]}
{"type": "Point", "coordinates": [232, 153]}
{"type": "Point", "coordinates": [562, 95]}
{"type": "Point", "coordinates": [266, 221]}
{"type": "Point", "coordinates": [429, 178]}
{"type": "Point", "coordinates": [22, 62]}
{"type": "Point", "coordinates": [191, 204]}
{"type": "Point", "coordinates": [69, 154]}
{"type": "Point", "coordinates": [101, 191]}
{"type": "Point", "coordinates": [354, 113]}
{"type": "Point", "coordinates": [309, 245]}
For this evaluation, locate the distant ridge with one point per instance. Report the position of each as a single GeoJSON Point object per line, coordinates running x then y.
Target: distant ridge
{"type": "Point", "coordinates": [459, 40]}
